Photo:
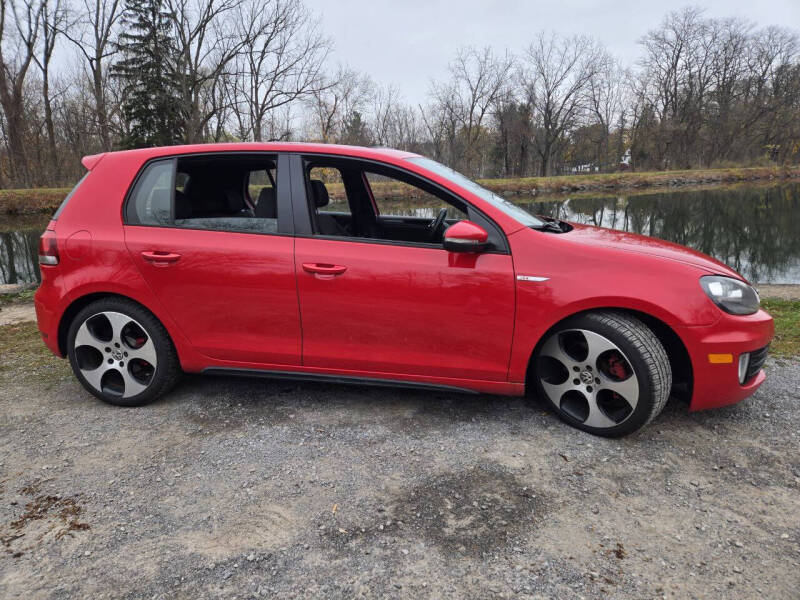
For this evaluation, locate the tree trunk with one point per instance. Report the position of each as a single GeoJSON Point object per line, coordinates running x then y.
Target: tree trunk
{"type": "Point", "coordinates": [100, 106]}
{"type": "Point", "coordinates": [49, 127]}
{"type": "Point", "coordinates": [12, 107]}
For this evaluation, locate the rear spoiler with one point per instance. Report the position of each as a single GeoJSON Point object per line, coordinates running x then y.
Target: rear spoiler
{"type": "Point", "coordinates": [90, 162]}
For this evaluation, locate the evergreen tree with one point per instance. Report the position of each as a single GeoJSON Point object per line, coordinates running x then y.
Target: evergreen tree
{"type": "Point", "coordinates": [147, 69]}
{"type": "Point", "coordinates": [355, 130]}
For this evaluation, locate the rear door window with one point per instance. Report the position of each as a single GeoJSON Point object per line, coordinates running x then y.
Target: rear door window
{"type": "Point", "coordinates": [235, 193]}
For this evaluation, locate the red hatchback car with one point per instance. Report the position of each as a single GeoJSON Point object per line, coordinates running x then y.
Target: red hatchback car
{"type": "Point", "coordinates": [348, 264]}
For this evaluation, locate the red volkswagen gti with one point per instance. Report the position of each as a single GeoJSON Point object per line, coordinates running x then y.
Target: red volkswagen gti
{"type": "Point", "coordinates": [365, 265]}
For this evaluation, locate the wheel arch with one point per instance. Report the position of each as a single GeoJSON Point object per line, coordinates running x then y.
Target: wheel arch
{"type": "Point", "coordinates": [79, 303]}
{"type": "Point", "coordinates": [680, 362]}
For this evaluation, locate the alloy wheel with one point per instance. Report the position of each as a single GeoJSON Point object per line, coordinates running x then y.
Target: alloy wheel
{"type": "Point", "coordinates": [588, 377]}
{"type": "Point", "coordinates": [115, 354]}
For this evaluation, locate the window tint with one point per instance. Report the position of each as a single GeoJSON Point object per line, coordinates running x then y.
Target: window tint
{"type": "Point", "coordinates": [150, 200]}
{"type": "Point", "coordinates": [364, 200]}
{"type": "Point", "coordinates": [400, 199]}
{"type": "Point", "coordinates": [220, 193]}
{"type": "Point", "coordinates": [257, 180]}
{"type": "Point", "coordinates": [331, 178]}
{"type": "Point", "coordinates": [329, 202]}
{"type": "Point", "coordinates": [226, 193]}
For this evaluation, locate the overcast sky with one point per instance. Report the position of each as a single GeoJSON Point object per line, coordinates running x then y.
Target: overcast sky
{"type": "Point", "coordinates": [409, 42]}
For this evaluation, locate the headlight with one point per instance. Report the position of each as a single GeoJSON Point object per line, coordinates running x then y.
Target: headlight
{"type": "Point", "coordinates": [731, 295]}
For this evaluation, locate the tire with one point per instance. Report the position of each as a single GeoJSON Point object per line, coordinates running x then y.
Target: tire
{"type": "Point", "coordinates": [121, 353]}
{"type": "Point", "coordinates": [614, 375]}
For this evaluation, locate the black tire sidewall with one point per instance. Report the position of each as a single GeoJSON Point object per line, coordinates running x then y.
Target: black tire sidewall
{"type": "Point", "coordinates": [644, 407]}
{"type": "Point", "coordinates": [154, 330]}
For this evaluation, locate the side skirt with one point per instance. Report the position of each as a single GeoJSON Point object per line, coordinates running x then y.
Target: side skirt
{"type": "Point", "coordinates": [342, 379]}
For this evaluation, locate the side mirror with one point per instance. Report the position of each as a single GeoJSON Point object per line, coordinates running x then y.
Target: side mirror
{"type": "Point", "coordinates": [465, 236]}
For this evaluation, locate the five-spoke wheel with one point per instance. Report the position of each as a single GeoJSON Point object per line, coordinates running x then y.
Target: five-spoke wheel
{"type": "Point", "coordinates": [115, 354]}
{"type": "Point", "coordinates": [603, 372]}
{"type": "Point", "coordinates": [121, 353]}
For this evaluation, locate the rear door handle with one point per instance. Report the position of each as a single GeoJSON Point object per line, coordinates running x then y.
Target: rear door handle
{"type": "Point", "coordinates": [161, 259]}
{"type": "Point", "coordinates": [324, 268]}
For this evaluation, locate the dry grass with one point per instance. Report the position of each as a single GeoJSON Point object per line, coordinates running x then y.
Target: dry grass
{"type": "Point", "coordinates": [33, 201]}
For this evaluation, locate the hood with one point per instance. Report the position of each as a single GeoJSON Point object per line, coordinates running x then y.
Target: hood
{"type": "Point", "coordinates": [641, 244]}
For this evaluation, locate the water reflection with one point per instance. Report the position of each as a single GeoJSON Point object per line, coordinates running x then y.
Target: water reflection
{"type": "Point", "coordinates": [754, 229]}
{"type": "Point", "coordinates": [19, 256]}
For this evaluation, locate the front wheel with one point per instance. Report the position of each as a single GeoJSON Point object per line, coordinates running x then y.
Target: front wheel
{"type": "Point", "coordinates": [603, 372]}
{"type": "Point", "coordinates": [121, 353]}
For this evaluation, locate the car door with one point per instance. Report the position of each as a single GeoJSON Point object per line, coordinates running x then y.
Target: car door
{"type": "Point", "coordinates": [225, 276]}
{"type": "Point", "coordinates": [387, 307]}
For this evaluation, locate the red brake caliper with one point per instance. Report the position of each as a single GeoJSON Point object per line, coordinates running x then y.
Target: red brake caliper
{"type": "Point", "coordinates": [617, 367]}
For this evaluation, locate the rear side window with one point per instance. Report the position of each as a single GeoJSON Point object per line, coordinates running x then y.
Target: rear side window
{"type": "Point", "coordinates": [69, 196]}
{"type": "Point", "coordinates": [231, 192]}
{"type": "Point", "coordinates": [234, 193]}
{"type": "Point", "coordinates": [151, 198]}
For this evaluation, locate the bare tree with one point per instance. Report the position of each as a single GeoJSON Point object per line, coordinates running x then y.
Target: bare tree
{"type": "Point", "coordinates": [605, 98]}
{"type": "Point", "coordinates": [18, 44]}
{"type": "Point", "coordinates": [385, 103]}
{"type": "Point", "coordinates": [282, 61]}
{"type": "Point", "coordinates": [53, 18]}
{"type": "Point", "coordinates": [476, 78]}
{"type": "Point", "coordinates": [333, 103]}
{"type": "Point", "coordinates": [94, 38]}
{"type": "Point", "coordinates": [204, 50]}
{"type": "Point", "coordinates": [556, 74]}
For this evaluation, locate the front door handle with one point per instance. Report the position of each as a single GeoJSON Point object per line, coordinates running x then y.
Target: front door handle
{"type": "Point", "coordinates": [161, 259]}
{"type": "Point", "coordinates": [324, 268]}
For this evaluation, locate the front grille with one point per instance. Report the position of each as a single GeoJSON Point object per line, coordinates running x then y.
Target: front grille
{"type": "Point", "coordinates": [757, 359]}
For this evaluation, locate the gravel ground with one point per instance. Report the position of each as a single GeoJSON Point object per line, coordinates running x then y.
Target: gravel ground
{"type": "Point", "coordinates": [250, 488]}
{"type": "Point", "coordinates": [17, 313]}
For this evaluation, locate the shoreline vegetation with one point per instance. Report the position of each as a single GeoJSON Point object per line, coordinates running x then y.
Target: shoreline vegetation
{"type": "Point", "coordinates": [46, 200]}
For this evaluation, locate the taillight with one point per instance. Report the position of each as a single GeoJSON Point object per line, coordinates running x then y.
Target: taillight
{"type": "Point", "coordinates": [48, 248]}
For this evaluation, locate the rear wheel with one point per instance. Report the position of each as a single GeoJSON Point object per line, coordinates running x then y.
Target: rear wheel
{"type": "Point", "coordinates": [121, 353]}
{"type": "Point", "coordinates": [605, 373]}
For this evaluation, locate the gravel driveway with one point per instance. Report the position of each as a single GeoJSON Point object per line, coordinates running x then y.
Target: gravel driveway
{"type": "Point", "coordinates": [254, 488]}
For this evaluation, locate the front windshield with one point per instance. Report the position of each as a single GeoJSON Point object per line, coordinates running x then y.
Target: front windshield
{"type": "Point", "coordinates": [512, 210]}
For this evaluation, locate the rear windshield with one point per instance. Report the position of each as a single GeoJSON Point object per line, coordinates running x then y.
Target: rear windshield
{"type": "Point", "coordinates": [70, 195]}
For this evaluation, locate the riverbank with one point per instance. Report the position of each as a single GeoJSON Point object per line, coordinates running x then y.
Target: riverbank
{"type": "Point", "coordinates": [632, 180]}
{"type": "Point", "coordinates": [46, 200]}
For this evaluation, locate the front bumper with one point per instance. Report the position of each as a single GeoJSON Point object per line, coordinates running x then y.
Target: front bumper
{"type": "Point", "coordinates": [717, 384]}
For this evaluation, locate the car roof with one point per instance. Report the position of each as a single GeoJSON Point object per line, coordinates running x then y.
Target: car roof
{"type": "Point", "coordinates": [377, 153]}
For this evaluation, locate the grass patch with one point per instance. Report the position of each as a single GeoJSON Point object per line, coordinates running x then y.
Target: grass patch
{"type": "Point", "coordinates": [24, 357]}
{"type": "Point", "coordinates": [17, 297]}
{"type": "Point", "coordinates": [32, 201]}
{"type": "Point", "coordinates": [787, 326]}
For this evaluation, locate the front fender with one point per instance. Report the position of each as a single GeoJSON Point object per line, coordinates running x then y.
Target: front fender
{"type": "Point", "coordinates": [570, 280]}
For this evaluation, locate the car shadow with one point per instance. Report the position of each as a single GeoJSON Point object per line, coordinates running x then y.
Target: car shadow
{"type": "Point", "coordinates": [214, 403]}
